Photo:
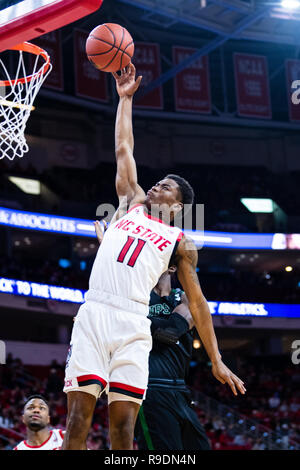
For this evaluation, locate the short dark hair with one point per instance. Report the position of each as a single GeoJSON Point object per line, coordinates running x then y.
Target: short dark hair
{"type": "Point", "coordinates": [40, 397]}
{"type": "Point", "coordinates": [186, 190]}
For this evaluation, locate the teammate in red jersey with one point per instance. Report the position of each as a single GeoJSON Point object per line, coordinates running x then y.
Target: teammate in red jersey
{"type": "Point", "coordinates": [36, 419]}
{"type": "Point", "coordinates": [111, 337]}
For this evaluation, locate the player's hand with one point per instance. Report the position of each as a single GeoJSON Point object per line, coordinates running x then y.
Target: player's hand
{"type": "Point", "coordinates": [99, 230]}
{"type": "Point", "coordinates": [126, 82]}
{"type": "Point", "coordinates": [224, 375]}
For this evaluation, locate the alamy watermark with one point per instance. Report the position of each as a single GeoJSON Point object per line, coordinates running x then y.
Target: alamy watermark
{"type": "Point", "coordinates": [296, 93]}
{"type": "Point", "coordinates": [189, 218]}
{"type": "Point", "coordinates": [296, 352]}
{"type": "Point", "coordinates": [2, 353]}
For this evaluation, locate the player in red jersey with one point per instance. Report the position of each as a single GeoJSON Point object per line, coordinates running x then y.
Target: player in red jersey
{"type": "Point", "coordinates": [36, 419]}
{"type": "Point", "coordinates": [111, 338]}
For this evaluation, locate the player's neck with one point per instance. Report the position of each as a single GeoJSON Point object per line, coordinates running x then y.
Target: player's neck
{"type": "Point", "coordinates": [163, 287]}
{"type": "Point", "coordinates": [37, 438]}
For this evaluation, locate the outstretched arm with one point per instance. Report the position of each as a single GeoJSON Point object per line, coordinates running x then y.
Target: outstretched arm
{"type": "Point", "coordinates": [126, 177]}
{"type": "Point", "coordinates": [186, 258]}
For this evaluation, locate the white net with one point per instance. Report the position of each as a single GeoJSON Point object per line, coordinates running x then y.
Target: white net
{"type": "Point", "coordinates": [17, 95]}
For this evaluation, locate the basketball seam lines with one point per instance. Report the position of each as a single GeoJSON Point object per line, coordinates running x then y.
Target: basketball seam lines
{"type": "Point", "coordinates": [107, 65]}
{"type": "Point", "coordinates": [101, 53]}
{"type": "Point", "coordinates": [109, 50]}
{"type": "Point", "coordinates": [125, 53]}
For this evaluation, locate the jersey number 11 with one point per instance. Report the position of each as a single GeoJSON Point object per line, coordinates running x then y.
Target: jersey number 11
{"type": "Point", "coordinates": [135, 254]}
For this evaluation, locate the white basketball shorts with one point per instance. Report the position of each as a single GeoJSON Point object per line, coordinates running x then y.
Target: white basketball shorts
{"type": "Point", "coordinates": [109, 350]}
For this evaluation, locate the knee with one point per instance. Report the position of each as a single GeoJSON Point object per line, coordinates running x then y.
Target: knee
{"type": "Point", "coordinates": [78, 422]}
{"type": "Point", "coordinates": [122, 429]}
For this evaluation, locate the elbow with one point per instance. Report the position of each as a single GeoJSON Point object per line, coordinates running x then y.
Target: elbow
{"type": "Point", "coordinates": [123, 149]}
{"type": "Point", "coordinates": [120, 150]}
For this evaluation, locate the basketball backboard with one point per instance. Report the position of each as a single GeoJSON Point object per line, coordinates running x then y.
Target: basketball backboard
{"type": "Point", "coordinates": [23, 20]}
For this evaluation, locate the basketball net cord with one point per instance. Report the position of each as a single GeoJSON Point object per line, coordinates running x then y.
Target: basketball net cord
{"type": "Point", "coordinates": [16, 103]}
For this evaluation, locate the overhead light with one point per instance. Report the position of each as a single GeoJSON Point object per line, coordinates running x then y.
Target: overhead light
{"type": "Point", "coordinates": [196, 344]}
{"type": "Point", "coordinates": [288, 269]}
{"type": "Point", "coordinates": [258, 204]}
{"type": "Point", "coordinates": [26, 185]}
{"type": "Point", "coordinates": [64, 263]}
{"type": "Point", "coordinates": [290, 4]}
{"type": "Point", "coordinates": [82, 265]}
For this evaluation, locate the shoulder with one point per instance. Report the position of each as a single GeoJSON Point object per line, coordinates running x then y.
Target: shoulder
{"type": "Point", "coordinates": [59, 432]}
{"type": "Point", "coordinates": [139, 196]}
{"type": "Point", "coordinates": [187, 250]}
{"type": "Point", "coordinates": [19, 446]}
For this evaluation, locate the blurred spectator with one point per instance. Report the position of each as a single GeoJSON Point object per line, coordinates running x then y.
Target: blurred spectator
{"type": "Point", "coordinates": [240, 440]}
{"type": "Point", "coordinates": [260, 379]}
{"type": "Point", "coordinates": [258, 445]}
{"type": "Point", "coordinates": [5, 420]}
{"type": "Point", "coordinates": [274, 401]}
{"type": "Point", "coordinates": [55, 382]}
{"type": "Point", "coordinates": [49, 384]}
{"type": "Point", "coordinates": [233, 286]}
{"type": "Point", "coordinates": [278, 411]}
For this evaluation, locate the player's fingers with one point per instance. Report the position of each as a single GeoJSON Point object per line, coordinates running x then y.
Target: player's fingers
{"type": "Point", "coordinates": [237, 378]}
{"type": "Point", "coordinates": [138, 81]}
{"type": "Point", "coordinates": [98, 230]}
{"type": "Point", "coordinates": [239, 383]}
{"type": "Point", "coordinates": [240, 386]}
{"type": "Point", "coordinates": [131, 68]}
{"type": "Point", "coordinates": [115, 75]}
{"type": "Point", "coordinates": [220, 379]}
{"type": "Point", "coordinates": [232, 385]}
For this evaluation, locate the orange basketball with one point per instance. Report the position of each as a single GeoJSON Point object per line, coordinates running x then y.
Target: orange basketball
{"type": "Point", "coordinates": [109, 47]}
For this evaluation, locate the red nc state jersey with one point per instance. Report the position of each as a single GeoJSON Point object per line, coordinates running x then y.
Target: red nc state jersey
{"type": "Point", "coordinates": [135, 251]}
{"type": "Point", "coordinates": [54, 442]}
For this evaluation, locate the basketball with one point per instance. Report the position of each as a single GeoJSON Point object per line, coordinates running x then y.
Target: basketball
{"type": "Point", "coordinates": [109, 47]}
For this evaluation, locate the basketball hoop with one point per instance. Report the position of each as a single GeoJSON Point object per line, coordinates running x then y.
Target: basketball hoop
{"type": "Point", "coordinates": [17, 95]}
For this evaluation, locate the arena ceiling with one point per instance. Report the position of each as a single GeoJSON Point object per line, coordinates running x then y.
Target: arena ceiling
{"type": "Point", "coordinates": [256, 20]}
